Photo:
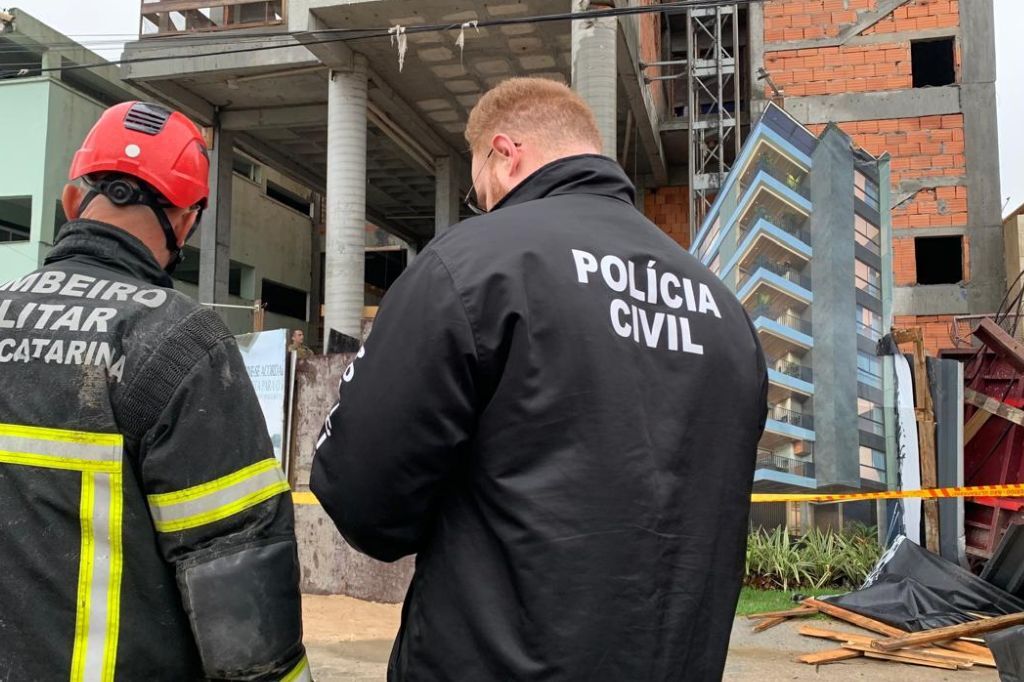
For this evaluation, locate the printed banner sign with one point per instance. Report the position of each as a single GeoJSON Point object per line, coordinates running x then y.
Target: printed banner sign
{"type": "Point", "coordinates": [266, 360]}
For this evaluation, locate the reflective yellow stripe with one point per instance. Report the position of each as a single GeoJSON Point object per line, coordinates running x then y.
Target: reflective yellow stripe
{"type": "Point", "coordinates": [116, 570]}
{"type": "Point", "coordinates": [218, 499]}
{"type": "Point", "coordinates": [47, 462]}
{"type": "Point", "coordinates": [84, 581]}
{"type": "Point", "coordinates": [61, 435]}
{"type": "Point", "coordinates": [300, 673]}
{"type": "Point", "coordinates": [98, 456]}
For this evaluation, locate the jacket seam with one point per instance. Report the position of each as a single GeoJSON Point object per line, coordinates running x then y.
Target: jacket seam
{"type": "Point", "coordinates": [462, 302]}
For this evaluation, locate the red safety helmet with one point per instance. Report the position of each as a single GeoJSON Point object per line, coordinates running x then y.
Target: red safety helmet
{"type": "Point", "coordinates": [161, 147]}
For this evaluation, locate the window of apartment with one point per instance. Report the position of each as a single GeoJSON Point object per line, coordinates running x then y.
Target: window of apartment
{"type": "Point", "coordinates": [939, 260]}
{"type": "Point", "coordinates": [716, 264]}
{"type": "Point", "coordinates": [869, 323]}
{"type": "Point", "coordinates": [869, 369]}
{"type": "Point", "coordinates": [872, 464]}
{"type": "Point", "coordinates": [867, 234]}
{"type": "Point", "coordinates": [869, 417]}
{"type": "Point", "coordinates": [865, 189]}
{"type": "Point", "coordinates": [282, 299]}
{"type": "Point", "coordinates": [868, 279]}
{"type": "Point", "coordinates": [288, 198]}
{"type": "Point", "coordinates": [241, 278]}
{"type": "Point", "coordinates": [15, 219]}
{"type": "Point", "coordinates": [710, 237]}
{"type": "Point", "coordinates": [933, 62]}
{"type": "Point", "coordinates": [246, 168]}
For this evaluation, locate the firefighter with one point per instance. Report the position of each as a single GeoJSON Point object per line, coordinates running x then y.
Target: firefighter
{"type": "Point", "coordinates": [558, 411]}
{"type": "Point", "coordinates": [146, 531]}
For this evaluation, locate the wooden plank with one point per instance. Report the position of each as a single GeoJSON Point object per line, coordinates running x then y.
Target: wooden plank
{"type": "Point", "coordinates": [974, 424]}
{"type": "Point", "coordinates": [791, 613]}
{"type": "Point", "coordinates": [911, 660]}
{"type": "Point", "coordinates": [830, 656]}
{"type": "Point", "coordinates": [768, 623]}
{"type": "Point", "coordinates": [993, 336]}
{"type": "Point", "coordinates": [948, 633]}
{"type": "Point", "coordinates": [854, 618]}
{"type": "Point", "coordinates": [985, 658]}
{"type": "Point", "coordinates": [979, 650]}
{"type": "Point", "coordinates": [992, 406]}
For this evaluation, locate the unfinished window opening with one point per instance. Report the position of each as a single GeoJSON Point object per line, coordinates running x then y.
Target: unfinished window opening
{"type": "Point", "coordinates": [288, 198]}
{"type": "Point", "coordinates": [282, 299]}
{"type": "Point", "coordinates": [933, 62]}
{"type": "Point", "coordinates": [246, 168]}
{"type": "Point", "coordinates": [939, 260]}
{"type": "Point", "coordinates": [15, 219]}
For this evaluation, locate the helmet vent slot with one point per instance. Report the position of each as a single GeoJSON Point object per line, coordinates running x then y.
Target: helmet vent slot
{"type": "Point", "coordinates": [147, 118]}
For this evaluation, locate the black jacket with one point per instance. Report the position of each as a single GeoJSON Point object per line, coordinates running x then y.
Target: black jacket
{"type": "Point", "coordinates": [558, 410]}
{"type": "Point", "coordinates": [146, 530]}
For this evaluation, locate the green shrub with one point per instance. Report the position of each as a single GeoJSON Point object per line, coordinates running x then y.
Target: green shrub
{"type": "Point", "coordinates": [819, 559]}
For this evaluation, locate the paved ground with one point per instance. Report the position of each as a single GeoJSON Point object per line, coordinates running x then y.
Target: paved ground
{"type": "Point", "coordinates": [351, 640]}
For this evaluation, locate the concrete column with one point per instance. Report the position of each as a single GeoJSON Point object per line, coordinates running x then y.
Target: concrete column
{"type": "Point", "coordinates": [446, 193]}
{"type": "Point", "coordinates": [833, 313]}
{"type": "Point", "coordinates": [594, 69]}
{"type": "Point", "coordinates": [215, 231]}
{"type": "Point", "coordinates": [346, 200]}
{"type": "Point", "coordinates": [315, 273]}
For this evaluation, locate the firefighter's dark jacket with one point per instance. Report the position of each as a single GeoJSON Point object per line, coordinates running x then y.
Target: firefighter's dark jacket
{"type": "Point", "coordinates": [146, 531]}
{"type": "Point", "coordinates": [558, 409]}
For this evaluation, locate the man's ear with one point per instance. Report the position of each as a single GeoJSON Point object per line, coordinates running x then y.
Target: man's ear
{"type": "Point", "coordinates": [183, 226]}
{"type": "Point", "coordinates": [71, 200]}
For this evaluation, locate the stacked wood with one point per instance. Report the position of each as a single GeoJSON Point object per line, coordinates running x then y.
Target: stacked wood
{"type": "Point", "coordinates": [941, 648]}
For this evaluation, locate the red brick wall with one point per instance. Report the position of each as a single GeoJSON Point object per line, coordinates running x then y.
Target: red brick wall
{"type": "Point", "coordinates": [650, 51]}
{"type": "Point", "coordinates": [936, 330]}
{"type": "Point", "coordinates": [846, 68]}
{"type": "Point", "coordinates": [669, 209]}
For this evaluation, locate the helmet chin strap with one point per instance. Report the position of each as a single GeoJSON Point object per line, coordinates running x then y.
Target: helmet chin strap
{"type": "Point", "coordinates": [122, 193]}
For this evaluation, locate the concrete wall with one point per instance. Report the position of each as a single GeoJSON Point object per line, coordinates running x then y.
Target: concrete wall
{"type": "Point", "coordinates": [1013, 240]}
{"type": "Point", "coordinates": [23, 118]}
{"type": "Point", "coordinates": [272, 239]}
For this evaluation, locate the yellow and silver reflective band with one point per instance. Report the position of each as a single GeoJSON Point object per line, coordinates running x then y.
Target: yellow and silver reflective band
{"type": "Point", "coordinates": [300, 673]}
{"type": "Point", "coordinates": [99, 579]}
{"type": "Point", "coordinates": [218, 499]}
{"type": "Point", "coordinates": [60, 449]}
{"type": "Point", "coordinates": [98, 457]}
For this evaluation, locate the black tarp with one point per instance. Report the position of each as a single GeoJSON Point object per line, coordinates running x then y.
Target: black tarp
{"type": "Point", "coordinates": [1008, 648]}
{"type": "Point", "coordinates": [913, 589]}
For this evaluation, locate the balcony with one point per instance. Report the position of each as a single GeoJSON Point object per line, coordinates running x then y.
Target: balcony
{"type": "Point", "coordinates": [767, 159]}
{"type": "Point", "coordinates": [788, 380]}
{"type": "Point", "coordinates": [176, 17]}
{"type": "Point", "coordinates": [786, 416]}
{"type": "Point", "coordinates": [791, 369]}
{"type": "Point", "coordinates": [786, 427]}
{"type": "Point", "coordinates": [768, 460]}
{"type": "Point", "coordinates": [774, 285]}
{"type": "Point", "coordinates": [783, 270]}
{"type": "Point", "coordinates": [781, 333]}
{"type": "Point", "coordinates": [868, 332]}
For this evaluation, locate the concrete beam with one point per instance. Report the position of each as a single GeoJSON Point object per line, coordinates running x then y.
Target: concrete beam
{"type": "Point", "coordinates": [755, 60]}
{"type": "Point", "coordinates": [185, 101]}
{"type": "Point", "coordinates": [220, 55]}
{"type": "Point", "coordinates": [909, 188]}
{"type": "Point", "coordinates": [272, 157]}
{"type": "Point", "coordinates": [866, 106]}
{"type": "Point", "coordinates": [870, 39]}
{"type": "Point", "coordinates": [645, 111]}
{"type": "Point", "coordinates": [336, 54]}
{"type": "Point", "coordinates": [932, 299]}
{"type": "Point", "coordinates": [275, 117]}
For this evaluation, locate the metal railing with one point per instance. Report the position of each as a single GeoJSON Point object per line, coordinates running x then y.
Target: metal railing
{"type": "Point", "coordinates": [868, 332]}
{"type": "Point", "coordinates": [13, 234]}
{"type": "Point", "coordinates": [793, 369]}
{"type": "Point", "coordinates": [785, 223]}
{"type": "Point", "coordinates": [869, 425]}
{"type": "Point", "coordinates": [786, 319]}
{"type": "Point", "coordinates": [169, 17]}
{"type": "Point", "coordinates": [867, 287]}
{"type": "Point", "coordinates": [786, 416]}
{"type": "Point", "coordinates": [766, 459]}
{"type": "Point", "coordinates": [782, 270]}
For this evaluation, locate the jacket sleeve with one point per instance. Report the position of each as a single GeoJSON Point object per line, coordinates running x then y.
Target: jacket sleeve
{"type": "Point", "coordinates": [406, 412]}
{"type": "Point", "coordinates": [223, 514]}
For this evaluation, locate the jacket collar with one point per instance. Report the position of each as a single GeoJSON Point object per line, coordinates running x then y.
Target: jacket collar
{"type": "Point", "coordinates": [583, 174]}
{"type": "Point", "coordinates": [110, 247]}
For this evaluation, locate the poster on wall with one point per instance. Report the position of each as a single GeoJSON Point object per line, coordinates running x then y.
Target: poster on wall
{"type": "Point", "coordinates": [265, 355]}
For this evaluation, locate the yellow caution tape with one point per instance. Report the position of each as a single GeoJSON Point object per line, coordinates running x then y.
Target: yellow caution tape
{"type": "Point", "coordinates": [1014, 490]}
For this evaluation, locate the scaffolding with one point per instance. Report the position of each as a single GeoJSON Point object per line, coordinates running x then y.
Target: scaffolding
{"type": "Point", "coordinates": [713, 103]}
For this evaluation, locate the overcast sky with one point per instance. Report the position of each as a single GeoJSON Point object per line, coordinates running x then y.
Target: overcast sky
{"type": "Point", "coordinates": [102, 30]}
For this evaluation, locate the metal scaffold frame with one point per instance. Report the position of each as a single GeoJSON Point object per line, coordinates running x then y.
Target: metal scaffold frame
{"type": "Point", "coordinates": [713, 79]}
